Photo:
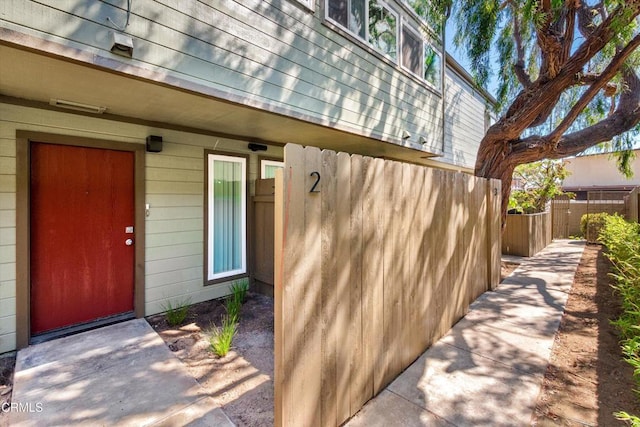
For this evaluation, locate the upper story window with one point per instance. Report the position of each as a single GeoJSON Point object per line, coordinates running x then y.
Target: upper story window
{"type": "Point", "coordinates": [309, 4]}
{"type": "Point", "coordinates": [371, 20]}
{"type": "Point", "coordinates": [432, 71]}
{"type": "Point", "coordinates": [375, 23]}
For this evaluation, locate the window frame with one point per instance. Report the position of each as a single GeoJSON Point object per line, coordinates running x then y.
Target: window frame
{"type": "Point", "coordinates": [438, 53]}
{"type": "Point", "coordinates": [420, 40]}
{"type": "Point", "coordinates": [211, 278]}
{"type": "Point", "coordinates": [426, 35]}
{"type": "Point", "coordinates": [365, 40]}
{"type": "Point", "coordinates": [307, 4]}
{"type": "Point", "coordinates": [269, 162]}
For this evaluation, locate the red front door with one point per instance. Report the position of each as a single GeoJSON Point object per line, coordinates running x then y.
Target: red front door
{"type": "Point", "coordinates": [82, 267]}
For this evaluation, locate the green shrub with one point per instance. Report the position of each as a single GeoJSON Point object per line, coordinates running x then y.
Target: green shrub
{"type": "Point", "coordinates": [222, 337]}
{"type": "Point", "coordinates": [234, 302]}
{"type": "Point", "coordinates": [631, 419]}
{"type": "Point", "coordinates": [622, 241]}
{"type": "Point", "coordinates": [233, 306]}
{"type": "Point", "coordinates": [176, 313]}
{"type": "Point", "coordinates": [591, 224]}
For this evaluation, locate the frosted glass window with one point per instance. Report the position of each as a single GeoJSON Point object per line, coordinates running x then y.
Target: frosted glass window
{"type": "Point", "coordinates": [227, 216]}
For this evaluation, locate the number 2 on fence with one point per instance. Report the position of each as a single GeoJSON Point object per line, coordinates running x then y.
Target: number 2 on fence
{"type": "Point", "coordinates": [315, 184]}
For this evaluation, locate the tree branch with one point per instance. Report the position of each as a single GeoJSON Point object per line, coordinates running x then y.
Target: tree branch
{"type": "Point", "coordinates": [532, 104]}
{"type": "Point", "coordinates": [598, 37]}
{"type": "Point", "coordinates": [585, 19]}
{"type": "Point", "coordinates": [567, 39]}
{"type": "Point", "coordinates": [519, 67]}
{"type": "Point", "coordinates": [625, 118]}
{"type": "Point", "coordinates": [600, 82]}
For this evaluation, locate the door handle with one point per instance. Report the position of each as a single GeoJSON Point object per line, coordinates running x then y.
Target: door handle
{"type": "Point", "coordinates": [128, 242]}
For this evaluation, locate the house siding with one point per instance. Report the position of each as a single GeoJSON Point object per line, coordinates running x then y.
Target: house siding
{"type": "Point", "coordinates": [174, 189]}
{"type": "Point", "coordinates": [272, 54]}
{"type": "Point", "coordinates": [463, 132]}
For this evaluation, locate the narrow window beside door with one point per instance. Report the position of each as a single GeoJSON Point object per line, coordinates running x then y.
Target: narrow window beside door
{"type": "Point", "coordinates": [268, 168]}
{"type": "Point", "coordinates": [227, 216]}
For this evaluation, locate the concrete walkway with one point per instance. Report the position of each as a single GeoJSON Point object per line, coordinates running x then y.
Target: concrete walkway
{"type": "Point", "coordinates": [120, 375]}
{"type": "Point", "coordinates": [488, 370]}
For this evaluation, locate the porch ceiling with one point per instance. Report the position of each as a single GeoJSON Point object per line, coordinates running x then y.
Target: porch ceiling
{"type": "Point", "coordinates": [37, 77]}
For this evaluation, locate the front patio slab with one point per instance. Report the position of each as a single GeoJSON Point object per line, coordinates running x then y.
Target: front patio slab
{"type": "Point", "coordinates": [121, 374]}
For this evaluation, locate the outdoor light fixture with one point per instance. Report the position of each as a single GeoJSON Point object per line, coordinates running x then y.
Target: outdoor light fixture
{"type": "Point", "coordinates": [422, 140]}
{"type": "Point", "coordinates": [257, 147]}
{"type": "Point", "coordinates": [121, 44]}
{"type": "Point", "coordinates": [154, 144]}
{"type": "Point", "coordinates": [70, 105]}
{"type": "Point", "coordinates": [405, 135]}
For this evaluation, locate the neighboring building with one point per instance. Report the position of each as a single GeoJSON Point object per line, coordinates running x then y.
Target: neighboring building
{"type": "Point", "coordinates": [599, 172]}
{"type": "Point", "coordinates": [85, 86]}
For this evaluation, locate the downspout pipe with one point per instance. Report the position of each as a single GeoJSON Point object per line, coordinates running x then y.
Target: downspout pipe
{"type": "Point", "coordinates": [443, 75]}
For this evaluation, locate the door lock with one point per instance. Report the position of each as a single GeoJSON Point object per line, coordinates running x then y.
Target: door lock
{"type": "Point", "coordinates": [128, 242]}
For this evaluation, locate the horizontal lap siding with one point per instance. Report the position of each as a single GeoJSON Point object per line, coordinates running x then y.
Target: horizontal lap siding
{"type": "Point", "coordinates": [174, 190]}
{"type": "Point", "coordinates": [464, 115]}
{"type": "Point", "coordinates": [375, 266]}
{"type": "Point", "coordinates": [273, 52]}
{"type": "Point", "coordinates": [7, 242]}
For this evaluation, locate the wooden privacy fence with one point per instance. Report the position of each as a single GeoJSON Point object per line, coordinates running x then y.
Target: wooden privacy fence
{"type": "Point", "coordinates": [526, 234]}
{"type": "Point", "coordinates": [375, 260]}
{"type": "Point", "coordinates": [632, 205]}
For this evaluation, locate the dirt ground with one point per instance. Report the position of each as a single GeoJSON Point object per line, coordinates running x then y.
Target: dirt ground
{"type": "Point", "coordinates": [7, 363]}
{"type": "Point", "coordinates": [242, 381]}
{"type": "Point", "coordinates": [587, 380]}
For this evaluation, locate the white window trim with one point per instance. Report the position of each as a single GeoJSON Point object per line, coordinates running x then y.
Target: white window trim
{"type": "Point", "coordinates": [264, 163]}
{"type": "Point", "coordinates": [398, 23]}
{"type": "Point", "coordinates": [366, 27]}
{"type": "Point", "coordinates": [211, 220]}
{"type": "Point", "coordinates": [427, 42]}
{"type": "Point", "coordinates": [309, 4]}
{"type": "Point", "coordinates": [439, 53]}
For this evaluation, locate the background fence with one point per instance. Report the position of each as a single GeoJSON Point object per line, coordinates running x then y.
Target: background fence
{"type": "Point", "coordinates": [375, 260]}
{"type": "Point", "coordinates": [526, 235]}
{"type": "Point", "coordinates": [632, 205]}
{"type": "Point", "coordinates": [567, 214]}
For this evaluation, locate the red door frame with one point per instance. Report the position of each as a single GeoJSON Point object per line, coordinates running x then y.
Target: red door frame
{"type": "Point", "coordinates": [23, 250]}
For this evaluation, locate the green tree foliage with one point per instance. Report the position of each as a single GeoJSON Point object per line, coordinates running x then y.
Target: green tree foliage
{"type": "Point", "coordinates": [567, 76]}
{"type": "Point", "coordinates": [622, 240]}
{"type": "Point", "coordinates": [539, 183]}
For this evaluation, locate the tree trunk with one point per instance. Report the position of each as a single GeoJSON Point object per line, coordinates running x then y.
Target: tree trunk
{"type": "Point", "coordinates": [495, 160]}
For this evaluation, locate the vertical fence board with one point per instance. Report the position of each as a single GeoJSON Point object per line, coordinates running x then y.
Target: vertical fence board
{"type": "Point", "coordinates": [360, 365]}
{"type": "Point", "coordinates": [459, 195]}
{"type": "Point", "coordinates": [426, 205]}
{"type": "Point", "coordinates": [494, 187]}
{"type": "Point", "coordinates": [449, 240]}
{"type": "Point", "coordinates": [279, 354]}
{"type": "Point", "coordinates": [291, 381]}
{"type": "Point", "coordinates": [369, 271]}
{"type": "Point", "coordinates": [439, 251]}
{"type": "Point", "coordinates": [415, 303]}
{"type": "Point", "coordinates": [405, 256]}
{"type": "Point", "coordinates": [373, 274]}
{"type": "Point", "coordinates": [345, 328]}
{"type": "Point", "coordinates": [480, 237]}
{"type": "Point", "coordinates": [329, 290]}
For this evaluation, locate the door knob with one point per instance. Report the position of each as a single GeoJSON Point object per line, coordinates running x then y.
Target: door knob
{"type": "Point", "coordinates": [128, 242]}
